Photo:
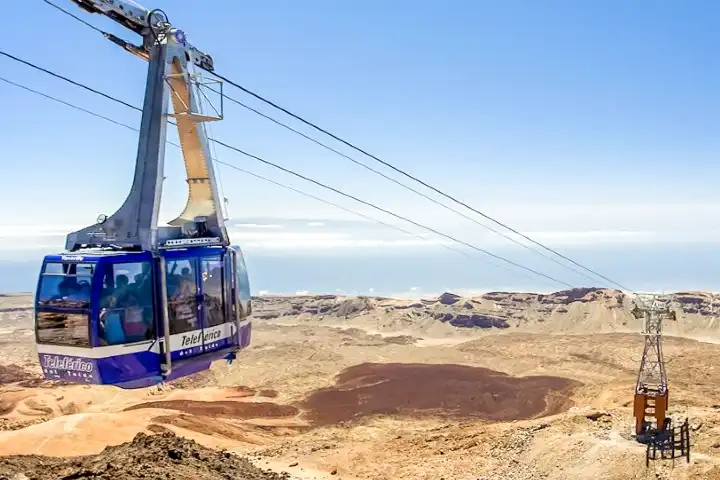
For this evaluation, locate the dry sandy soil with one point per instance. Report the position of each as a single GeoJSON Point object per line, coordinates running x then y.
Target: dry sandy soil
{"type": "Point", "coordinates": [504, 386]}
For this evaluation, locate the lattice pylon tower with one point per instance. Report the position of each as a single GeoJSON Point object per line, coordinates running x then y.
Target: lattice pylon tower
{"type": "Point", "coordinates": [651, 389]}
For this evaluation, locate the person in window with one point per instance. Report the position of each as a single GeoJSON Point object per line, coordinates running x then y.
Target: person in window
{"type": "Point", "coordinates": [125, 291]}
{"type": "Point", "coordinates": [122, 283]}
{"type": "Point", "coordinates": [82, 293]}
{"type": "Point", "coordinates": [70, 293]}
{"type": "Point", "coordinates": [183, 302]}
{"type": "Point", "coordinates": [111, 323]}
{"type": "Point", "coordinates": [108, 288]}
{"type": "Point", "coordinates": [63, 289]}
{"type": "Point", "coordinates": [212, 287]}
{"type": "Point", "coordinates": [133, 320]}
{"type": "Point", "coordinates": [143, 286]}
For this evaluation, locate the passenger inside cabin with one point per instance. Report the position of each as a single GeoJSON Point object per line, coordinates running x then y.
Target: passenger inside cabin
{"type": "Point", "coordinates": [107, 289]}
{"type": "Point", "coordinates": [183, 305]}
{"type": "Point", "coordinates": [213, 299]}
{"type": "Point", "coordinates": [70, 290]}
{"type": "Point", "coordinates": [127, 307]}
{"type": "Point", "coordinates": [121, 286]}
{"type": "Point", "coordinates": [143, 286]}
{"type": "Point", "coordinates": [134, 323]}
{"type": "Point", "coordinates": [64, 288]}
{"type": "Point", "coordinates": [111, 323]}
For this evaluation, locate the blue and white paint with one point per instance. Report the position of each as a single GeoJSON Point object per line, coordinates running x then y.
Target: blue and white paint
{"type": "Point", "coordinates": [139, 364]}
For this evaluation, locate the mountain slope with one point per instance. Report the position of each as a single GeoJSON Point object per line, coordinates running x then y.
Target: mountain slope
{"type": "Point", "coordinates": [579, 310]}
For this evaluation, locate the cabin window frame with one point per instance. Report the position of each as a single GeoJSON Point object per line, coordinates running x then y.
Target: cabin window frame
{"type": "Point", "coordinates": [44, 274]}
{"type": "Point", "coordinates": [85, 312]}
{"type": "Point", "coordinates": [231, 306]}
{"type": "Point", "coordinates": [179, 308]}
{"type": "Point", "coordinates": [244, 292]}
{"type": "Point", "coordinates": [103, 310]}
{"type": "Point", "coordinates": [203, 261]}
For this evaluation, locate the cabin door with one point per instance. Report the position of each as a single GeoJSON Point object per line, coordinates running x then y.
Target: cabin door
{"type": "Point", "coordinates": [216, 325]}
{"type": "Point", "coordinates": [184, 307]}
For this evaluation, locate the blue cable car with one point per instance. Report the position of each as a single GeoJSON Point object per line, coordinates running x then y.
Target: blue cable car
{"type": "Point", "coordinates": [131, 303]}
{"type": "Point", "coordinates": [101, 317]}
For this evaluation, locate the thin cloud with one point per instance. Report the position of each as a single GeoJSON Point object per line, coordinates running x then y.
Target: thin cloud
{"type": "Point", "coordinates": [297, 236]}
{"type": "Point", "coordinates": [256, 225]}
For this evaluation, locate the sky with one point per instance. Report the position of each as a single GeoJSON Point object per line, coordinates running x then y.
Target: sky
{"type": "Point", "coordinates": [581, 124]}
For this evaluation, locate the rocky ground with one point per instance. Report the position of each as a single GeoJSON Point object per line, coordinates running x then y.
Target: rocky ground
{"type": "Point", "coordinates": [163, 455]}
{"type": "Point", "coordinates": [503, 386]}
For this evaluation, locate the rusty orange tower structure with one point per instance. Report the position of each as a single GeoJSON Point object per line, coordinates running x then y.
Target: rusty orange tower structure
{"type": "Point", "coordinates": [651, 389]}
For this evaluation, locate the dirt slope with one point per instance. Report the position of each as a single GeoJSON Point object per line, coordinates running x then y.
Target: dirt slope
{"type": "Point", "coordinates": [383, 389]}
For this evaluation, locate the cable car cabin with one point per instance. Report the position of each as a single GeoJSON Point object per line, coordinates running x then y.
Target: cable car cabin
{"type": "Point", "coordinates": [107, 317]}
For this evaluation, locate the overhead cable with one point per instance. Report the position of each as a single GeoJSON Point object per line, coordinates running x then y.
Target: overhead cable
{"type": "Point", "coordinates": [339, 192]}
{"type": "Point", "coordinates": [230, 165]}
{"type": "Point", "coordinates": [88, 24]}
{"type": "Point", "coordinates": [402, 172]}
{"type": "Point", "coordinates": [414, 178]}
{"type": "Point", "coordinates": [247, 172]}
{"type": "Point", "coordinates": [407, 187]}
